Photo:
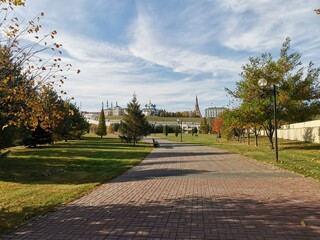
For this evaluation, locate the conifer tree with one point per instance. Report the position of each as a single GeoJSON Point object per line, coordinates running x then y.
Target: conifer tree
{"type": "Point", "coordinates": [134, 124]}
{"type": "Point", "coordinates": [102, 128]}
{"type": "Point", "coordinates": [165, 130]}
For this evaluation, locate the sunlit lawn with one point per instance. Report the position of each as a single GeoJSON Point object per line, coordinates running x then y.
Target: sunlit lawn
{"type": "Point", "coordinates": [33, 181]}
{"type": "Point", "coordinates": [300, 157]}
{"type": "Point", "coordinates": [161, 119]}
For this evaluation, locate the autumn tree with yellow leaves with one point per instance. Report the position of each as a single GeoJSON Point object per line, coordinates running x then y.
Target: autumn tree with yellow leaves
{"type": "Point", "coordinates": [26, 77]}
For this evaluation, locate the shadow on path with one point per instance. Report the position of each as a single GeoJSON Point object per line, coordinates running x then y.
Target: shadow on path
{"type": "Point", "coordinates": [192, 217]}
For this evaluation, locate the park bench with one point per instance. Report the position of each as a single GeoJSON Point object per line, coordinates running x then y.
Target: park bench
{"type": "Point", "coordinates": [155, 143]}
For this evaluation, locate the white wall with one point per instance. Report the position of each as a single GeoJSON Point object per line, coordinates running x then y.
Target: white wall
{"type": "Point", "coordinates": [305, 131]}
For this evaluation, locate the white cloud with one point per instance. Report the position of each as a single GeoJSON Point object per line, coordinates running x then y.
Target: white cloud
{"type": "Point", "coordinates": [172, 53]}
{"type": "Point", "coordinates": [263, 25]}
{"type": "Point", "coordinates": [146, 46]}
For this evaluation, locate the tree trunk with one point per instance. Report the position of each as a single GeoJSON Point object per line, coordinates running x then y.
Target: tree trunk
{"type": "Point", "coordinates": [248, 136]}
{"type": "Point", "coordinates": [243, 133]}
{"type": "Point", "coordinates": [271, 141]}
{"type": "Point", "coordinates": [270, 135]}
{"type": "Point", "coordinates": [256, 139]}
{"type": "Point", "coordinates": [269, 130]}
{"type": "Point", "coordinates": [256, 133]}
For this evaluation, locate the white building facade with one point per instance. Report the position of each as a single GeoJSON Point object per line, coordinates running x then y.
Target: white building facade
{"type": "Point", "coordinates": [213, 112]}
{"type": "Point", "coordinates": [150, 110]}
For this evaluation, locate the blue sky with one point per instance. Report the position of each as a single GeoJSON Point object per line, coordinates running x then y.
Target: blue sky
{"type": "Point", "coordinates": [169, 51]}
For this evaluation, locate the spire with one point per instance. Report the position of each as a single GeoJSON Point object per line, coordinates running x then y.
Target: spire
{"type": "Point", "coordinates": [196, 108]}
{"type": "Point", "coordinates": [107, 104]}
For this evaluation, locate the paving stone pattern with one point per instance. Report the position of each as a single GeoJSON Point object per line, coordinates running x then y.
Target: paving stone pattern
{"type": "Point", "coordinates": [185, 191]}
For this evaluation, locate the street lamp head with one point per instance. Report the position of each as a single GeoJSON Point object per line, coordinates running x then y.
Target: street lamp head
{"type": "Point", "coordinates": [262, 82]}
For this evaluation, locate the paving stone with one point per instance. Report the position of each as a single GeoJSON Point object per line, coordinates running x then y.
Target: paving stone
{"type": "Point", "coordinates": [183, 191]}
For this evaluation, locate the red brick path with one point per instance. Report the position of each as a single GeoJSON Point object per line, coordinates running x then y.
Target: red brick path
{"type": "Point", "coordinates": [189, 192]}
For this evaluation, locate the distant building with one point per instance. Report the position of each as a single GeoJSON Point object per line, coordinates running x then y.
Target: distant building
{"type": "Point", "coordinates": [197, 112]}
{"type": "Point", "coordinates": [150, 110]}
{"type": "Point", "coordinates": [90, 115]}
{"type": "Point", "coordinates": [213, 112]}
{"type": "Point", "coordinates": [114, 111]}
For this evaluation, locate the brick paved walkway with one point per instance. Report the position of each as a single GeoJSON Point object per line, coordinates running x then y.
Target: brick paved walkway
{"type": "Point", "coordinates": [189, 192]}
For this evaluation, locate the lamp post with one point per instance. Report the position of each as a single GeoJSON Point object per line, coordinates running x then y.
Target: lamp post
{"type": "Point", "coordinates": [263, 83]}
{"type": "Point", "coordinates": [154, 128]}
{"type": "Point", "coordinates": [180, 122]}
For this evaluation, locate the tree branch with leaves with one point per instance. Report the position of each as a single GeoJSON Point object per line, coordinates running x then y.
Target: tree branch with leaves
{"type": "Point", "coordinates": [298, 90]}
{"type": "Point", "coordinates": [30, 67]}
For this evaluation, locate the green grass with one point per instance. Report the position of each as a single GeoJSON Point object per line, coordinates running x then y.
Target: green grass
{"type": "Point", "coordinates": [171, 119]}
{"type": "Point", "coordinates": [34, 181]}
{"type": "Point", "coordinates": [296, 156]}
{"type": "Point", "coordinates": [160, 119]}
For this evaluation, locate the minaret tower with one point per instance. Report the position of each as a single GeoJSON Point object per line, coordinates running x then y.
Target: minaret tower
{"type": "Point", "coordinates": [197, 109]}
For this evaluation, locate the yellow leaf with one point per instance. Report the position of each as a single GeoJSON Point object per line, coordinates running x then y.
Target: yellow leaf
{"type": "Point", "coordinates": [43, 125]}
{"type": "Point", "coordinates": [303, 224]}
{"type": "Point", "coordinates": [71, 112]}
{"type": "Point", "coordinates": [34, 122]}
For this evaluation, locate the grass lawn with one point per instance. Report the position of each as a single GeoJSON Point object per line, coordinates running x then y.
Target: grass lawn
{"type": "Point", "coordinates": [172, 119]}
{"type": "Point", "coordinates": [299, 157]}
{"type": "Point", "coordinates": [34, 181]}
{"type": "Point", "coordinates": [160, 119]}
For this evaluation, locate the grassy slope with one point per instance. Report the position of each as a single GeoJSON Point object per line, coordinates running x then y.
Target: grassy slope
{"type": "Point", "coordinates": [299, 157]}
{"type": "Point", "coordinates": [171, 119]}
{"type": "Point", "coordinates": [33, 181]}
{"type": "Point", "coordinates": [160, 119]}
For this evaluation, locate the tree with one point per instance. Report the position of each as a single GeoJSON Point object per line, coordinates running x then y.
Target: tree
{"type": "Point", "coordinates": [134, 124]}
{"type": "Point", "coordinates": [110, 129]}
{"type": "Point", "coordinates": [232, 125]}
{"type": "Point", "coordinates": [73, 125]}
{"type": "Point", "coordinates": [102, 128]}
{"type": "Point", "coordinates": [251, 118]}
{"type": "Point", "coordinates": [194, 130]}
{"type": "Point", "coordinates": [298, 91]}
{"type": "Point", "coordinates": [216, 125]}
{"type": "Point", "coordinates": [204, 126]}
{"type": "Point", "coordinates": [177, 130]}
{"type": "Point", "coordinates": [115, 126]}
{"type": "Point", "coordinates": [165, 130]}
{"type": "Point", "coordinates": [25, 77]}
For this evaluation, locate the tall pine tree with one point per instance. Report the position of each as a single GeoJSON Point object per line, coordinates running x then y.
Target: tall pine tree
{"type": "Point", "coordinates": [102, 128]}
{"type": "Point", "coordinates": [134, 124]}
